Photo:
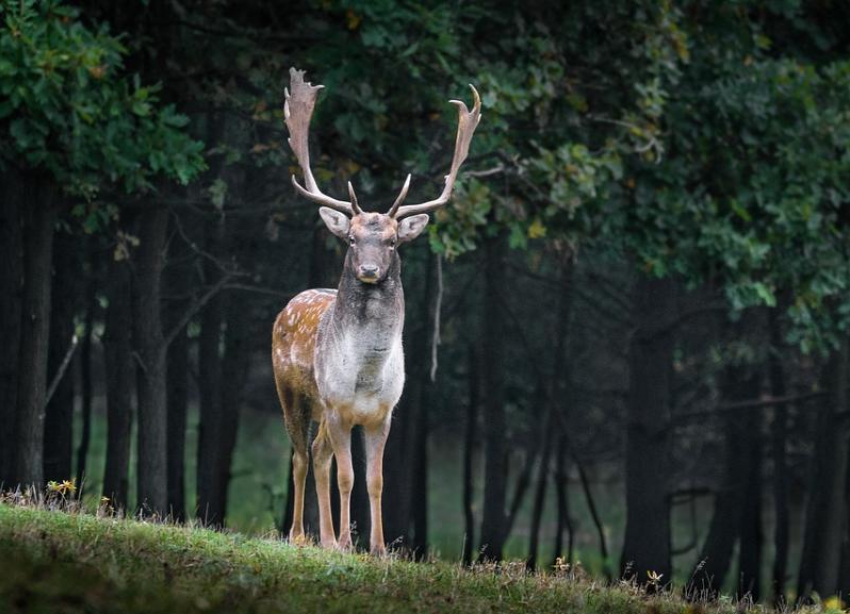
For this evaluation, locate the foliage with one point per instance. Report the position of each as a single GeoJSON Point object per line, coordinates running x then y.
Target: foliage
{"type": "Point", "coordinates": [68, 108]}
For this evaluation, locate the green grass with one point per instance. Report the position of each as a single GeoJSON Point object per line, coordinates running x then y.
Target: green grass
{"type": "Point", "coordinates": [54, 561]}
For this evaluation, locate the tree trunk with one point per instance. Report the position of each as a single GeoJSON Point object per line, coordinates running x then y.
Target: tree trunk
{"type": "Point", "coordinates": [826, 512]}
{"type": "Point", "coordinates": [178, 403]}
{"type": "Point", "coordinates": [781, 538]}
{"type": "Point", "coordinates": [732, 496]}
{"type": "Point", "coordinates": [120, 369]}
{"type": "Point", "coordinates": [151, 355]}
{"type": "Point", "coordinates": [647, 540]}
{"type": "Point", "coordinates": [562, 489]}
{"type": "Point", "coordinates": [236, 362]}
{"type": "Point", "coordinates": [35, 332]}
{"type": "Point", "coordinates": [495, 442]}
{"type": "Point", "coordinates": [209, 484]}
{"type": "Point", "coordinates": [751, 538]}
{"type": "Point", "coordinates": [419, 479]}
{"type": "Point", "coordinates": [87, 386]}
{"type": "Point", "coordinates": [11, 273]}
{"type": "Point", "coordinates": [59, 416]}
{"type": "Point", "coordinates": [403, 452]}
{"type": "Point", "coordinates": [473, 376]}
{"type": "Point", "coordinates": [540, 492]}
{"type": "Point", "coordinates": [555, 400]}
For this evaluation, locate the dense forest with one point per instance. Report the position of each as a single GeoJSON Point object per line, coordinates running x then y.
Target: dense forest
{"type": "Point", "coordinates": [626, 336]}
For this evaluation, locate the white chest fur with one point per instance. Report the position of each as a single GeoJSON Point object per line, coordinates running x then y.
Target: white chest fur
{"type": "Point", "coordinates": [360, 369]}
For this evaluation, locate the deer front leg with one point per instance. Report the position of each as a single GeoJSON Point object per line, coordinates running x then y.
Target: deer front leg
{"type": "Point", "coordinates": [322, 455]}
{"type": "Point", "coordinates": [375, 439]}
{"type": "Point", "coordinates": [340, 437]}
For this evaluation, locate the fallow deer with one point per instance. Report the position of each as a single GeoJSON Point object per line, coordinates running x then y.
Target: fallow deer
{"type": "Point", "coordinates": [337, 354]}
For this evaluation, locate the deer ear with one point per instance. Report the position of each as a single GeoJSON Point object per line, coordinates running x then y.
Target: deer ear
{"type": "Point", "coordinates": [338, 223]}
{"type": "Point", "coordinates": [411, 227]}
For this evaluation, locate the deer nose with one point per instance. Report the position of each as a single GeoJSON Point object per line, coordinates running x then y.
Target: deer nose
{"type": "Point", "coordinates": [369, 271]}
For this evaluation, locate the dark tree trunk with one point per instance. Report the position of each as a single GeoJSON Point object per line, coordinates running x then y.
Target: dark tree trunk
{"type": "Point", "coordinates": [235, 364]}
{"type": "Point", "coordinates": [732, 500]}
{"type": "Point", "coordinates": [419, 479]}
{"type": "Point", "coordinates": [11, 273]}
{"type": "Point", "coordinates": [209, 484]}
{"type": "Point", "coordinates": [178, 403]}
{"type": "Point", "coordinates": [150, 349]}
{"type": "Point", "coordinates": [556, 402]}
{"type": "Point", "coordinates": [35, 333]}
{"type": "Point", "coordinates": [58, 420]}
{"type": "Point", "coordinates": [179, 280]}
{"type": "Point", "coordinates": [781, 536]}
{"type": "Point", "coordinates": [647, 540]}
{"type": "Point", "coordinates": [360, 510]}
{"type": "Point", "coordinates": [87, 387]}
{"type": "Point", "coordinates": [402, 458]}
{"type": "Point", "coordinates": [540, 492]}
{"type": "Point", "coordinates": [120, 369]}
{"type": "Point", "coordinates": [562, 490]}
{"type": "Point", "coordinates": [826, 512]}
{"type": "Point", "coordinates": [495, 438]}
{"type": "Point", "coordinates": [751, 537]}
{"type": "Point", "coordinates": [474, 401]}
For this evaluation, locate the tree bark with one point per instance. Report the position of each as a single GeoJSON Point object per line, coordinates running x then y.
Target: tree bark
{"type": "Point", "coordinates": [86, 386]}
{"type": "Point", "coordinates": [59, 415]}
{"type": "Point", "coordinates": [647, 540]}
{"type": "Point", "coordinates": [120, 369]}
{"type": "Point", "coordinates": [556, 402]}
{"type": "Point", "coordinates": [35, 333]}
{"type": "Point", "coordinates": [826, 512]}
{"type": "Point", "coordinates": [11, 273]}
{"type": "Point", "coordinates": [540, 492]}
{"type": "Point", "coordinates": [179, 279]}
{"type": "Point", "coordinates": [495, 442]}
{"type": "Point", "coordinates": [562, 489]}
{"type": "Point", "coordinates": [474, 401]}
{"type": "Point", "coordinates": [781, 535]}
{"type": "Point", "coordinates": [209, 485]}
{"type": "Point", "coordinates": [419, 479]}
{"type": "Point", "coordinates": [236, 362]}
{"type": "Point", "coordinates": [403, 452]}
{"type": "Point", "coordinates": [751, 537]}
{"type": "Point", "coordinates": [732, 496]}
{"type": "Point", "coordinates": [151, 356]}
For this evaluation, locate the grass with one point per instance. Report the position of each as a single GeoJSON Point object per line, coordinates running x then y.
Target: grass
{"type": "Point", "coordinates": [55, 561]}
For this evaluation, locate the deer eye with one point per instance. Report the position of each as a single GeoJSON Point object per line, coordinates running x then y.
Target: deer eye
{"type": "Point", "coordinates": [351, 240]}
{"type": "Point", "coordinates": [392, 243]}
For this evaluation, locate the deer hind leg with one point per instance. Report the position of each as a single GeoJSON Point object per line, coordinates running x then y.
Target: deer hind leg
{"type": "Point", "coordinates": [296, 412]}
{"type": "Point", "coordinates": [340, 438]}
{"type": "Point", "coordinates": [322, 456]}
{"type": "Point", "coordinates": [375, 439]}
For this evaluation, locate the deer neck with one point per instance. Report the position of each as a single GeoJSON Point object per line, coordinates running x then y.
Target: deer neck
{"type": "Point", "coordinates": [375, 310]}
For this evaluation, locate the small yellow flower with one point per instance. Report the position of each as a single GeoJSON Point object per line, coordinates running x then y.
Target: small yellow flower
{"type": "Point", "coordinates": [833, 604]}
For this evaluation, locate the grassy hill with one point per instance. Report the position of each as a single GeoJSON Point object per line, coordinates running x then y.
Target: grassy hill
{"type": "Point", "coordinates": [53, 561]}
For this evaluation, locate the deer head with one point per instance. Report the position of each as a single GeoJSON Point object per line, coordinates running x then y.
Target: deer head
{"type": "Point", "coordinates": [373, 238]}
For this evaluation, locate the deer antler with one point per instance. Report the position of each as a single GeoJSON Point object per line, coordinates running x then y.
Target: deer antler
{"type": "Point", "coordinates": [297, 112]}
{"type": "Point", "coordinates": [467, 122]}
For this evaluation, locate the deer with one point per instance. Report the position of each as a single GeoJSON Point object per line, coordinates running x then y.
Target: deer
{"type": "Point", "coordinates": [337, 353]}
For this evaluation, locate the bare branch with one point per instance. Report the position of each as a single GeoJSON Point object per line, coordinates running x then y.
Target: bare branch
{"type": "Point", "coordinates": [57, 379]}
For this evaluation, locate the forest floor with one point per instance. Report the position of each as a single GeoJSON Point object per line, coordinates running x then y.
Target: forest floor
{"type": "Point", "coordinates": [55, 561]}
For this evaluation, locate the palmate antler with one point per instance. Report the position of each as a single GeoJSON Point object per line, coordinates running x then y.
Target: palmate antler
{"type": "Point", "coordinates": [467, 123]}
{"type": "Point", "coordinates": [297, 112]}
